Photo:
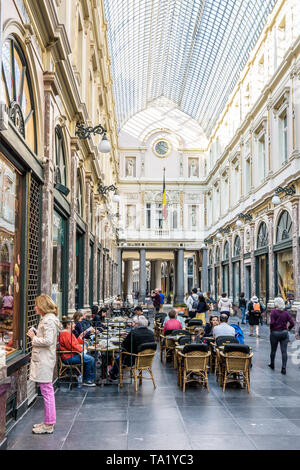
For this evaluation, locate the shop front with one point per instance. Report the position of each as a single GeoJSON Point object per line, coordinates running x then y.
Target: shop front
{"type": "Point", "coordinates": [217, 273]}
{"type": "Point", "coordinates": [60, 263]}
{"type": "Point", "coordinates": [262, 264]}
{"type": "Point", "coordinates": [284, 262]}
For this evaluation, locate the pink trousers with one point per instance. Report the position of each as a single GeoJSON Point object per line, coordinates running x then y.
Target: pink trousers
{"type": "Point", "coordinates": [49, 403]}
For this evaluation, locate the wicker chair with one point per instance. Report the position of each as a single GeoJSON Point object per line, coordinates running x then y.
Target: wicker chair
{"type": "Point", "coordinates": [193, 367]}
{"type": "Point", "coordinates": [221, 341]}
{"type": "Point", "coordinates": [192, 324]}
{"type": "Point", "coordinates": [235, 365]}
{"type": "Point", "coordinates": [167, 345]}
{"type": "Point", "coordinates": [65, 369]}
{"type": "Point", "coordinates": [142, 361]}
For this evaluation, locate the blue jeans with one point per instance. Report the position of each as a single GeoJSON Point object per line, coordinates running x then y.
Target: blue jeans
{"type": "Point", "coordinates": [88, 365]}
{"type": "Point", "coordinates": [243, 310]}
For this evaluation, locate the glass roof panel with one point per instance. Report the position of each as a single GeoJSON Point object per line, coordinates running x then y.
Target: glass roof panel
{"type": "Point", "coordinates": [189, 51]}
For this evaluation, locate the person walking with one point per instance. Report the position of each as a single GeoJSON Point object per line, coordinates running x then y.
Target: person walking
{"type": "Point", "coordinates": [242, 306]}
{"type": "Point", "coordinates": [281, 322]}
{"type": "Point", "coordinates": [202, 309]}
{"type": "Point", "coordinates": [225, 304]}
{"type": "Point", "coordinates": [162, 301]}
{"type": "Point", "coordinates": [43, 359]}
{"type": "Point", "coordinates": [193, 303]}
{"type": "Point", "coordinates": [255, 310]}
{"type": "Point", "coordinates": [156, 300]}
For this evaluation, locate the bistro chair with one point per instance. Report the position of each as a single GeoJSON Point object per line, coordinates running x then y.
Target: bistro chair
{"type": "Point", "coordinates": [221, 341]}
{"type": "Point", "coordinates": [68, 370]}
{"type": "Point", "coordinates": [193, 366]}
{"type": "Point", "coordinates": [235, 365]}
{"type": "Point", "coordinates": [141, 362]}
{"type": "Point", "coordinates": [167, 346]}
{"type": "Point", "coordinates": [192, 324]}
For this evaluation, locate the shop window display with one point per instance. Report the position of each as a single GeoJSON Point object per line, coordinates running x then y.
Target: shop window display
{"type": "Point", "coordinates": [58, 257]}
{"type": "Point", "coordinates": [10, 256]}
{"type": "Point", "coordinates": [285, 278]}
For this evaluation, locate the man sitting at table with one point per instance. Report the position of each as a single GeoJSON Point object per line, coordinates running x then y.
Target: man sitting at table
{"type": "Point", "coordinates": [178, 317]}
{"type": "Point", "coordinates": [138, 310]}
{"type": "Point", "coordinates": [140, 334]}
{"type": "Point", "coordinates": [173, 323]}
{"type": "Point", "coordinates": [69, 342]}
{"type": "Point", "coordinates": [223, 329]}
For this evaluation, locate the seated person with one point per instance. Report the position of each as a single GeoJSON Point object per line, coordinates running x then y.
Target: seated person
{"type": "Point", "coordinates": [198, 336]}
{"type": "Point", "coordinates": [178, 317]}
{"type": "Point", "coordinates": [140, 334]}
{"type": "Point", "coordinates": [85, 322]}
{"type": "Point", "coordinates": [172, 323]}
{"type": "Point", "coordinates": [99, 317]}
{"type": "Point", "coordinates": [69, 342]}
{"type": "Point", "coordinates": [118, 303]}
{"type": "Point", "coordinates": [81, 326]}
{"type": "Point", "coordinates": [223, 329]}
{"type": "Point", "coordinates": [213, 321]}
{"type": "Point", "coordinates": [138, 310]}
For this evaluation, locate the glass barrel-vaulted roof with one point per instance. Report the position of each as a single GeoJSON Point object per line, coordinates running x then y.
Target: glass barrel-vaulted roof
{"type": "Point", "coordinates": [189, 51]}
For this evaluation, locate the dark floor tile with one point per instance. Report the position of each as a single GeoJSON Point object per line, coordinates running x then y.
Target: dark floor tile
{"type": "Point", "coordinates": [159, 426]}
{"type": "Point", "coordinates": [100, 428]}
{"type": "Point", "coordinates": [159, 442]}
{"type": "Point", "coordinates": [99, 441]}
{"type": "Point", "coordinates": [221, 442]}
{"type": "Point", "coordinates": [203, 413]}
{"type": "Point", "coordinates": [271, 442]}
{"type": "Point", "coordinates": [253, 412]}
{"type": "Point", "coordinates": [138, 413]}
{"type": "Point", "coordinates": [92, 412]}
{"type": "Point", "coordinates": [290, 412]}
{"type": "Point", "coordinates": [224, 426]}
{"type": "Point", "coordinates": [276, 427]}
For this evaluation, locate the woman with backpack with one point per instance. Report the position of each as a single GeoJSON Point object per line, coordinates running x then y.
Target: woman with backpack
{"type": "Point", "coordinates": [202, 308]}
{"type": "Point", "coordinates": [255, 310]}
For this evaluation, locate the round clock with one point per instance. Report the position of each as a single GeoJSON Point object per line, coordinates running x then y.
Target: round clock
{"type": "Point", "coordinates": [161, 148]}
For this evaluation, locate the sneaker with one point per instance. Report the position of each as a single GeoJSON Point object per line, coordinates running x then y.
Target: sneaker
{"type": "Point", "coordinates": [37, 425]}
{"type": "Point", "coordinates": [271, 366]}
{"type": "Point", "coordinates": [89, 383]}
{"type": "Point", "coordinates": [44, 429]}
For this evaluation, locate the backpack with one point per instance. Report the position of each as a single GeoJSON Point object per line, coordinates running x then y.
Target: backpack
{"type": "Point", "coordinates": [256, 309]}
{"type": "Point", "coordinates": [195, 304]}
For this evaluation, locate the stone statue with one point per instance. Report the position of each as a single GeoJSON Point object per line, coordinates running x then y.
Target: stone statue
{"type": "Point", "coordinates": [130, 168]}
{"type": "Point", "coordinates": [193, 169]}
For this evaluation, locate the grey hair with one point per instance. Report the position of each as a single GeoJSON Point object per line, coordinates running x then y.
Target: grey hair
{"type": "Point", "coordinates": [279, 303]}
{"type": "Point", "coordinates": [142, 321]}
{"type": "Point", "coordinates": [135, 319]}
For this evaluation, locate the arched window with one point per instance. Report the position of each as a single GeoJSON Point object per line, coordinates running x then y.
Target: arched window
{"type": "Point", "coordinates": [16, 85]}
{"type": "Point", "coordinates": [60, 158]}
{"type": "Point", "coordinates": [226, 252]}
{"type": "Point", "coordinates": [79, 199]}
{"type": "Point", "coordinates": [210, 257]}
{"type": "Point", "coordinates": [217, 254]}
{"type": "Point", "coordinates": [262, 236]}
{"type": "Point", "coordinates": [237, 246]}
{"type": "Point", "coordinates": [284, 227]}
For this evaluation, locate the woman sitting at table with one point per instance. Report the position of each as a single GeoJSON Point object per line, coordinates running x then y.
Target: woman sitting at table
{"type": "Point", "coordinates": [80, 328]}
{"type": "Point", "coordinates": [213, 321]}
{"type": "Point", "coordinates": [69, 342]}
{"type": "Point", "coordinates": [173, 323]}
{"type": "Point", "coordinates": [99, 317]}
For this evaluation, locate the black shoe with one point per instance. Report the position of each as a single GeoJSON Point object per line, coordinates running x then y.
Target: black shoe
{"type": "Point", "coordinates": [283, 371]}
{"type": "Point", "coordinates": [271, 366]}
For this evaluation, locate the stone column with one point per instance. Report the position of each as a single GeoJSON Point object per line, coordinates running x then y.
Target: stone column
{"type": "Point", "coordinates": [296, 248]}
{"type": "Point", "coordinates": [130, 277]}
{"type": "Point", "coordinates": [253, 267]}
{"type": "Point", "coordinates": [95, 259]}
{"type": "Point", "coordinates": [230, 283]}
{"type": "Point", "coordinates": [119, 270]}
{"type": "Point", "coordinates": [152, 278]}
{"type": "Point", "coordinates": [126, 275]}
{"type": "Point", "coordinates": [47, 189]}
{"type": "Point", "coordinates": [72, 227]}
{"type": "Point", "coordinates": [270, 227]}
{"type": "Point", "coordinates": [242, 265]}
{"type": "Point", "coordinates": [179, 276]}
{"type": "Point", "coordinates": [86, 281]}
{"type": "Point", "coordinates": [204, 270]}
{"type": "Point", "coordinates": [158, 274]}
{"type": "Point", "coordinates": [167, 293]}
{"type": "Point", "coordinates": [142, 278]}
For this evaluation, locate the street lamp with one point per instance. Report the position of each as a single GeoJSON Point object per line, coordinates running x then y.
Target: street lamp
{"type": "Point", "coordinates": [85, 132]}
{"type": "Point", "coordinates": [246, 217]}
{"type": "Point", "coordinates": [288, 191]}
{"type": "Point", "coordinates": [103, 190]}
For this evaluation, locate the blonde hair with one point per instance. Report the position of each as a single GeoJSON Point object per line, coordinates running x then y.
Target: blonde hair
{"type": "Point", "coordinates": [46, 305]}
{"type": "Point", "coordinates": [199, 331]}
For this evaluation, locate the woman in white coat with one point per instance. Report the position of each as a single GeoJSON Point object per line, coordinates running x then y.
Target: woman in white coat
{"type": "Point", "coordinates": [43, 358]}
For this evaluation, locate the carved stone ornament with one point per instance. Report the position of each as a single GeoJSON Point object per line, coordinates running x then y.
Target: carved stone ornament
{"type": "Point", "coordinates": [247, 241]}
{"type": "Point", "coordinates": [16, 115]}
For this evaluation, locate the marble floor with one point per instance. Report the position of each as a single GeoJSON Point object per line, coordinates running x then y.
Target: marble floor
{"type": "Point", "coordinates": [166, 418]}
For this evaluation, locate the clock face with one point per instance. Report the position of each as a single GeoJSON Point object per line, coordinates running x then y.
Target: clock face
{"type": "Point", "coordinates": [161, 148]}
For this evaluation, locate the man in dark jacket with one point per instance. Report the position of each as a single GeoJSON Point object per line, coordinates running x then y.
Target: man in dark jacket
{"type": "Point", "coordinates": [156, 300]}
{"type": "Point", "coordinates": [139, 335]}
